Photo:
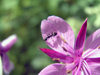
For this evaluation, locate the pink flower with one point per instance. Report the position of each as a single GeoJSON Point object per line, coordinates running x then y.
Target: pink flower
{"type": "Point", "coordinates": [5, 46]}
{"type": "Point", "coordinates": [70, 53]}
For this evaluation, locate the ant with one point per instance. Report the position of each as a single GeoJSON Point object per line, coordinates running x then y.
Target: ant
{"type": "Point", "coordinates": [50, 35]}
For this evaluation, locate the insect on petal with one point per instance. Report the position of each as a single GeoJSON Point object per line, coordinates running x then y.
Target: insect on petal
{"type": "Point", "coordinates": [53, 29]}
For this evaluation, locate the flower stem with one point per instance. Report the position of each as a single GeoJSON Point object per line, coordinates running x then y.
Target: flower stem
{"type": "Point", "coordinates": [0, 66]}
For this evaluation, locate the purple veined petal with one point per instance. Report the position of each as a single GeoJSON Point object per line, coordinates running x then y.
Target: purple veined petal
{"type": "Point", "coordinates": [86, 53]}
{"type": "Point", "coordinates": [7, 65]}
{"type": "Point", "coordinates": [92, 60]}
{"type": "Point", "coordinates": [84, 71]}
{"type": "Point", "coordinates": [55, 31]}
{"type": "Point", "coordinates": [57, 56]}
{"type": "Point", "coordinates": [95, 68]}
{"type": "Point", "coordinates": [91, 53]}
{"type": "Point", "coordinates": [80, 40]}
{"type": "Point", "coordinates": [86, 68]}
{"type": "Point", "coordinates": [93, 41]}
{"type": "Point", "coordinates": [78, 71]}
{"type": "Point", "coordinates": [54, 69]}
{"type": "Point", "coordinates": [74, 71]}
{"type": "Point", "coordinates": [8, 43]}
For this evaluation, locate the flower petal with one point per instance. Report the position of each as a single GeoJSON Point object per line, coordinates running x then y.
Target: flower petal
{"type": "Point", "coordinates": [95, 68]}
{"type": "Point", "coordinates": [93, 41]}
{"type": "Point", "coordinates": [55, 31]}
{"type": "Point", "coordinates": [7, 65]}
{"type": "Point", "coordinates": [57, 56]}
{"type": "Point", "coordinates": [91, 60]}
{"type": "Point", "coordinates": [74, 72]}
{"type": "Point", "coordinates": [84, 71]}
{"type": "Point", "coordinates": [54, 69]}
{"type": "Point", "coordinates": [79, 44]}
{"type": "Point", "coordinates": [78, 71]}
{"type": "Point", "coordinates": [86, 68]}
{"type": "Point", "coordinates": [91, 53]}
{"type": "Point", "coordinates": [8, 43]}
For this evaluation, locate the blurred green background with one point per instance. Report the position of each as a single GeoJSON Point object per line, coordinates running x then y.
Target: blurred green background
{"type": "Point", "coordinates": [23, 17]}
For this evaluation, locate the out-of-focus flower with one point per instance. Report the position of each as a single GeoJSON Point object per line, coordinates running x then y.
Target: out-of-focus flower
{"type": "Point", "coordinates": [59, 36]}
{"type": "Point", "coordinates": [5, 46]}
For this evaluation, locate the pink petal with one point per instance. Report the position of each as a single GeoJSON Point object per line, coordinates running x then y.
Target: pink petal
{"type": "Point", "coordinates": [78, 71]}
{"type": "Point", "coordinates": [79, 44]}
{"type": "Point", "coordinates": [84, 71]}
{"type": "Point", "coordinates": [57, 56]}
{"type": "Point", "coordinates": [93, 41]}
{"type": "Point", "coordinates": [8, 43]}
{"type": "Point", "coordinates": [91, 53]}
{"type": "Point", "coordinates": [55, 32]}
{"type": "Point", "coordinates": [54, 69]}
{"type": "Point", "coordinates": [91, 60]}
{"type": "Point", "coordinates": [86, 68]}
{"type": "Point", "coordinates": [74, 71]}
{"type": "Point", "coordinates": [95, 68]}
{"type": "Point", "coordinates": [7, 65]}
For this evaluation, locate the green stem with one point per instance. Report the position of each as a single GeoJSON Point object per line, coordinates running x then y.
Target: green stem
{"type": "Point", "coordinates": [0, 66]}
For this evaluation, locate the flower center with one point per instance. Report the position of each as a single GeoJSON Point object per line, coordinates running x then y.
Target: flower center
{"type": "Point", "coordinates": [75, 65]}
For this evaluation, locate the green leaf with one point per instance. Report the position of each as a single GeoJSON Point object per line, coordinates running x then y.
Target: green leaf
{"type": "Point", "coordinates": [75, 24]}
{"type": "Point", "coordinates": [0, 66]}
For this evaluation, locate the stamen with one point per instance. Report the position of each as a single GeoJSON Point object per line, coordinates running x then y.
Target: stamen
{"type": "Point", "coordinates": [67, 50]}
{"type": "Point", "coordinates": [63, 39]}
{"type": "Point", "coordinates": [70, 67]}
{"type": "Point", "coordinates": [69, 71]}
{"type": "Point", "coordinates": [65, 43]}
{"type": "Point", "coordinates": [64, 49]}
{"type": "Point", "coordinates": [56, 59]}
{"type": "Point", "coordinates": [98, 47]}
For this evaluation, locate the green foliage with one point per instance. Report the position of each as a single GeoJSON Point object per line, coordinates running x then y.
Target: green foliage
{"type": "Point", "coordinates": [23, 17]}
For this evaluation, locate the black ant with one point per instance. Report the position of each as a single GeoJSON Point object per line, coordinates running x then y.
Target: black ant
{"type": "Point", "coordinates": [50, 35]}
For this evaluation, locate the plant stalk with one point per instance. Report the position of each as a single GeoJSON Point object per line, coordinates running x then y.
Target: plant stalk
{"type": "Point", "coordinates": [1, 66]}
